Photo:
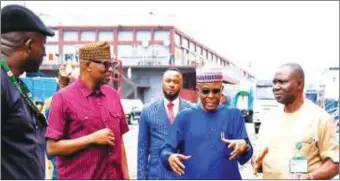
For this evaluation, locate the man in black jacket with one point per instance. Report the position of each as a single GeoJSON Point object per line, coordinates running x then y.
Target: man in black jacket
{"type": "Point", "coordinates": [23, 38]}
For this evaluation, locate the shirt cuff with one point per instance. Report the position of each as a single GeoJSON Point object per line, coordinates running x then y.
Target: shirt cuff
{"type": "Point", "coordinates": [53, 134]}
{"type": "Point", "coordinates": [124, 130]}
{"type": "Point", "coordinates": [332, 154]}
{"type": "Point", "coordinates": [164, 158]}
{"type": "Point", "coordinates": [246, 156]}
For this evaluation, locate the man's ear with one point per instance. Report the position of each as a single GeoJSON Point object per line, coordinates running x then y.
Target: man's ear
{"type": "Point", "coordinates": [85, 65]}
{"type": "Point", "coordinates": [300, 84]}
{"type": "Point", "coordinates": [28, 46]}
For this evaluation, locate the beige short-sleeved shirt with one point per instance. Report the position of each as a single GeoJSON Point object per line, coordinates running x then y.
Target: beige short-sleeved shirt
{"type": "Point", "coordinates": [310, 125]}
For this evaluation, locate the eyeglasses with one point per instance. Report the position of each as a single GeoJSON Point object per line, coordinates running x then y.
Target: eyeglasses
{"type": "Point", "coordinates": [207, 91]}
{"type": "Point", "coordinates": [107, 64]}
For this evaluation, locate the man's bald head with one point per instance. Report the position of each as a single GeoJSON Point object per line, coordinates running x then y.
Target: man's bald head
{"type": "Point", "coordinates": [288, 83]}
{"type": "Point", "coordinates": [296, 70]}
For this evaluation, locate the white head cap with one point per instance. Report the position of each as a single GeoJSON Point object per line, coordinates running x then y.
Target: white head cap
{"type": "Point", "coordinates": [209, 74]}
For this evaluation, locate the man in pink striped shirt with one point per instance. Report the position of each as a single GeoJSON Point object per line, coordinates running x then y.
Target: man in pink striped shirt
{"type": "Point", "coordinates": [87, 122]}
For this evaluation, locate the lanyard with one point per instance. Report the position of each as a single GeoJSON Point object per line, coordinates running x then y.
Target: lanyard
{"type": "Point", "coordinates": [24, 92]}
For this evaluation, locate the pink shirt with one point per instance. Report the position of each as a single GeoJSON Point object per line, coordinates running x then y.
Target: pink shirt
{"type": "Point", "coordinates": [76, 111]}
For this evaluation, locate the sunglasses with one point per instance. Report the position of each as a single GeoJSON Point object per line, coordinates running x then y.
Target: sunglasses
{"type": "Point", "coordinates": [107, 64]}
{"type": "Point", "coordinates": [207, 91]}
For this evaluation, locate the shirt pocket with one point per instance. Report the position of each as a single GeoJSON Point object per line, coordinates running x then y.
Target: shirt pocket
{"type": "Point", "coordinates": [309, 147]}
{"type": "Point", "coordinates": [85, 124]}
{"type": "Point", "coordinates": [114, 121]}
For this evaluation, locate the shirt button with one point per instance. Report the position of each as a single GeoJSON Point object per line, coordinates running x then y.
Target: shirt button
{"type": "Point", "coordinates": [109, 153]}
{"type": "Point", "coordinates": [36, 127]}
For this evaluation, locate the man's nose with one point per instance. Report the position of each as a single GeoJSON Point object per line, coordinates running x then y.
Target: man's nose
{"type": "Point", "coordinates": [171, 84]}
{"type": "Point", "coordinates": [110, 69]}
{"type": "Point", "coordinates": [276, 87]}
{"type": "Point", "coordinates": [211, 94]}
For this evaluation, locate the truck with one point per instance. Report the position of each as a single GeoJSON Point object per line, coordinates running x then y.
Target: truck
{"type": "Point", "coordinates": [264, 102]}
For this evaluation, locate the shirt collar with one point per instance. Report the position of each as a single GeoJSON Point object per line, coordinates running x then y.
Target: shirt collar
{"type": "Point", "coordinates": [175, 102]}
{"type": "Point", "coordinates": [85, 91]}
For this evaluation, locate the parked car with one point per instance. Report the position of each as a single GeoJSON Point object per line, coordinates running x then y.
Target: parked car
{"type": "Point", "coordinates": [132, 109]}
{"type": "Point", "coordinates": [135, 113]}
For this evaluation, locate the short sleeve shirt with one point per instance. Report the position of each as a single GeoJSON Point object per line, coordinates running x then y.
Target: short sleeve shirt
{"type": "Point", "coordinates": [76, 111]}
{"type": "Point", "coordinates": [311, 126]}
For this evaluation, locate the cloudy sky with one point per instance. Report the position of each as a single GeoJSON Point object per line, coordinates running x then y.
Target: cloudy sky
{"type": "Point", "coordinates": [265, 34]}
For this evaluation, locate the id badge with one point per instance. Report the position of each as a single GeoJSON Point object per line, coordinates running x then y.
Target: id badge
{"type": "Point", "coordinates": [298, 165]}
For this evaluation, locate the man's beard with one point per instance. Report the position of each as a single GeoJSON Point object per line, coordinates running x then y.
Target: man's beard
{"type": "Point", "coordinates": [171, 97]}
{"type": "Point", "coordinates": [32, 65]}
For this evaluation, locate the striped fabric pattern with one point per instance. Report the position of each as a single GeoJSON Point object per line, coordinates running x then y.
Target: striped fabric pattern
{"type": "Point", "coordinates": [77, 111]}
{"type": "Point", "coordinates": [154, 125]}
{"type": "Point", "coordinates": [211, 77]}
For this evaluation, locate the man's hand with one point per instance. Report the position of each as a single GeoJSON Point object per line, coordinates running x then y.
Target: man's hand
{"type": "Point", "coordinates": [239, 146]}
{"type": "Point", "coordinates": [176, 164]}
{"type": "Point", "coordinates": [257, 162]}
{"type": "Point", "coordinates": [103, 137]}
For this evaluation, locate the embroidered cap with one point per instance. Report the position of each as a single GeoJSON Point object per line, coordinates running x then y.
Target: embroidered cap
{"type": "Point", "coordinates": [97, 50]}
{"type": "Point", "coordinates": [209, 74]}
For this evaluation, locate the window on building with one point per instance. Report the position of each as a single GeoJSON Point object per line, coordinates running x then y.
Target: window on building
{"type": "Point", "coordinates": [70, 48]}
{"type": "Point", "coordinates": [198, 50]}
{"type": "Point", "coordinates": [204, 54]}
{"type": "Point", "coordinates": [125, 36]}
{"type": "Point", "coordinates": [161, 35]}
{"type": "Point", "coordinates": [53, 38]}
{"type": "Point", "coordinates": [178, 56]}
{"type": "Point", "coordinates": [177, 39]}
{"type": "Point", "coordinates": [185, 43]}
{"type": "Point", "coordinates": [143, 35]}
{"type": "Point", "coordinates": [52, 55]}
{"type": "Point", "coordinates": [70, 35]}
{"type": "Point", "coordinates": [208, 55]}
{"type": "Point", "coordinates": [70, 52]}
{"type": "Point", "coordinates": [88, 36]}
{"type": "Point", "coordinates": [192, 46]}
{"type": "Point", "coordinates": [105, 36]}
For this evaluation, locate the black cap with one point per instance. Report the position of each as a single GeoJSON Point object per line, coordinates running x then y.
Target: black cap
{"type": "Point", "coordinates": [19, 18]}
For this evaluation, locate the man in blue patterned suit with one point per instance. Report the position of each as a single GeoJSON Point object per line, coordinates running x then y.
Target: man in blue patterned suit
{"type": "Point", "coordinates": [154, 124]}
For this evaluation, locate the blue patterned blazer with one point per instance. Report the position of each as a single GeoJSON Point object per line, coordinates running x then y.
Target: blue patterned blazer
{"type": "Point", "coordinates": [154, 125]}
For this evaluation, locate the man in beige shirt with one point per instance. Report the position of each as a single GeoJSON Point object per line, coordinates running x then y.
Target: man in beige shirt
{"type": "Point", "coordinates": [298, 129]}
